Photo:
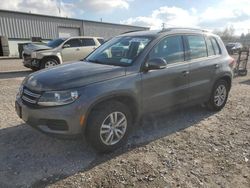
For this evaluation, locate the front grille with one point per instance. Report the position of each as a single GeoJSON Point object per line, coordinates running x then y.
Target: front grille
{"type": "Point", "coordinates": [29, 97]}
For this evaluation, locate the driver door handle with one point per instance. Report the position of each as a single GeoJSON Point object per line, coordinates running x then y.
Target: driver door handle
{"type": "Point", "coordinates": [77, 49]}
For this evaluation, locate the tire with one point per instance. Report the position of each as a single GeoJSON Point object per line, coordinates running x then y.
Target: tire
{"type": "Point", "coordinates": [21, 54]}
{"type": "Point", "coordinates": [219, 96]}
{"type": "Point", "coordinates": [34, 68]}
{"type": "Point", "coordinates": [243, 73]}
{"type": "Point", "coordinates": [48, 62]}
{"type": "Point", "coordinates": [100, 120]}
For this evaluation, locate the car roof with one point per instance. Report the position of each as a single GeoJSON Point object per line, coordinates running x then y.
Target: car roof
{"type": "Point", "coordinates": [77, 37]}
{"type": "Point", "coordinates": [174, 30]}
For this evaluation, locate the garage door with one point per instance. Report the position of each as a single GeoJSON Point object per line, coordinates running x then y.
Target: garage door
{"type": "Point", "coordinates": [68, 32]}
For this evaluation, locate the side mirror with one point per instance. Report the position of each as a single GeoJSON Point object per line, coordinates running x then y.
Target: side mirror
{"type": "Point", "coordinates": [155, 64]}
{"type": "Point", "coordinates": [66, 46]}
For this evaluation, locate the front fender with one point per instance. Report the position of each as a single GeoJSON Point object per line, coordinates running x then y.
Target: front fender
{"type": "Point", "coordinates": [44, 54]}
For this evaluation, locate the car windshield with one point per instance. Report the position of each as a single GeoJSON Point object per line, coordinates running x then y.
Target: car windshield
{"type": "Point", "coordinates": [120, 51]}
{"type": "Point", "coordinates": [55, 43]}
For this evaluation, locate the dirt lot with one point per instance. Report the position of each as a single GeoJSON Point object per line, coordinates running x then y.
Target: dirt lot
{"type": "Point", "coordinates": [187, 148]}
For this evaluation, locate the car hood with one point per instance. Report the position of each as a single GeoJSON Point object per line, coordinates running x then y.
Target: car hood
{"type": "Point", "coordinates": [28, 49]}
{"type": "Point", "coordinates": [73, 75]}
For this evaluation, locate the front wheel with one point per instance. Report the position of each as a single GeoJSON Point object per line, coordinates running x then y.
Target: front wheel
{"type": "Point", "coordinates": [34, 68]}
{"type": "Point", "coordinates": [108, 126]}
{"type": "Point", "coordinates": [219, 96]}
{"type": "Point", "coordinates": [48, 63]}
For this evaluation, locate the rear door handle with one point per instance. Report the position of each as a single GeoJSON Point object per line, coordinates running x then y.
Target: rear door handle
{"type": "Point", "coordinates": [77, 49]}
{"type": "Point", "coordinates": [216, 66]}
{"type": "Point", "coordinates": [185, 72]}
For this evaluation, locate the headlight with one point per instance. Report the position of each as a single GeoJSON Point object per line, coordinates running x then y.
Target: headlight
{"type": "Point", "coordinates": [33, 55]}
{"type": "Point", "coordinates": [20, 91]}
{"type": "Point", "coordinates": [57, 98]}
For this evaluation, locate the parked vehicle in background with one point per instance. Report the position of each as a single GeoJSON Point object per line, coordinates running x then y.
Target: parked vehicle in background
{"type": "Point", "coordinates": [21, 47]}
{"type": "Point", "coordinates": [130, 75]}
{"type": "Point", "coordinates": [58, 51]}
{"type": "Point", "coordinates": [233, 48]}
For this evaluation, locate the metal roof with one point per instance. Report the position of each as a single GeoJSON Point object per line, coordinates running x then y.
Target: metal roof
{"type": "Point", "coordinates": [67, 18]}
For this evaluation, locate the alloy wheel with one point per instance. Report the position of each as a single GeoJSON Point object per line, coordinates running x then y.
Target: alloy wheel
{"type": "Point", "coordinates": [220, 95]}
{"type": "Point", "coordinates": [113, 128]}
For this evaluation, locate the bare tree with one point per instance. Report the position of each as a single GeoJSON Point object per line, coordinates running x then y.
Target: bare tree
{"type": "Point", "coordinates": [227, 35]}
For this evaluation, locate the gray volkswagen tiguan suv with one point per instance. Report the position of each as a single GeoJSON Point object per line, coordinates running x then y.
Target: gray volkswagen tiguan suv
{"type": "Point", "coordinates": [132, 74]}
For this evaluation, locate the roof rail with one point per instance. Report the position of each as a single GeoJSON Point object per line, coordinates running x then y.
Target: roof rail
{"type": "Point", "coordinates": [132, 31]}
{"type": "Point", "coordinates": [189, 28]}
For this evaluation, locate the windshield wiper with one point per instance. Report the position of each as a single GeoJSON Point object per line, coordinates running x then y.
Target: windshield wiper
{"type": "Point", "coordinates": [104, 63]}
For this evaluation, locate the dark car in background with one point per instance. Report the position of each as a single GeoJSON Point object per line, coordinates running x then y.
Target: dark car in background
{"type": "Point", "coordinates": [233, 48]}
{"type": "Point", "coordinates": [130, 75]}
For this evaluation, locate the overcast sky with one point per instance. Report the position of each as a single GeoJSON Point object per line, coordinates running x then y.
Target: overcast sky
{"type": "Point", "coordinates": [208, 14]}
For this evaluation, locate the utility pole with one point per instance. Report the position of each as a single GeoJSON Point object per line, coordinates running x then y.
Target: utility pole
{"type": "Point", "coordinates": [59, 7]}
{"type": "Point", "coordinates": [163, 26]}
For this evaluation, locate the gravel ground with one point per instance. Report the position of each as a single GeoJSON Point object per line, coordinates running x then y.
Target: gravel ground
{"type": "Point", "coordinates": [186, 148]}
{"type": "Point", "coordinates": [11, 65]}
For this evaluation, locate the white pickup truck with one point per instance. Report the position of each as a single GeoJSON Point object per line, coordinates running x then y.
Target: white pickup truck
{"type": "Point", "coordinates": [58, 51]}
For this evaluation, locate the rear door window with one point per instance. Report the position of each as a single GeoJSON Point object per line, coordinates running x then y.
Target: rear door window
{"type": "Point", "coordinates": [196, 46]}
{"type": "Point", "coordinates": [170, 48]}
{"type": "Point", "coordinates": [88, 42]}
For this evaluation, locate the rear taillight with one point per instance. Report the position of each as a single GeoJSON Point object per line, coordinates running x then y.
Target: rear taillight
{"type": "Point", "coordinates": [232, 63]}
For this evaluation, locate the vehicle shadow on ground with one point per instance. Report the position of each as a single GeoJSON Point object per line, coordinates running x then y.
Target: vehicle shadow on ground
{"type": "Point", "coordinates": [247, 82]}
{"type": "Point", "coordinates": [15, 74]}
{"type": "Point", "coordinates": [30, 158]}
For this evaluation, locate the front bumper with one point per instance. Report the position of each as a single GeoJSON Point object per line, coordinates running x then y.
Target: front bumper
{"type": "Point", "coordinates": [29, 62]}
{"type": "Point", "coordinates": [65, 121]}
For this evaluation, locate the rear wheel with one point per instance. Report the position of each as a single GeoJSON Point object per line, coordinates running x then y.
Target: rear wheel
{"type": "Point", "coordinates": [108, 126]}
{"type": "Point", "coordinates": [48, 63]}
{"type": "Point", "coordinates": [219, 96]}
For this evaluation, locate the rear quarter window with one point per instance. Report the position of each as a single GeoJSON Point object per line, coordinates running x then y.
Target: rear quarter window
{"type": "Point", "coordinates": [210, 47]}
{"type": "Point", "coordinates": [216, 46]}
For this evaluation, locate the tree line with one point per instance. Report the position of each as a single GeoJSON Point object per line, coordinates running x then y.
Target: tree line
{"type": "Point", "coordinates": [228, 35]}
